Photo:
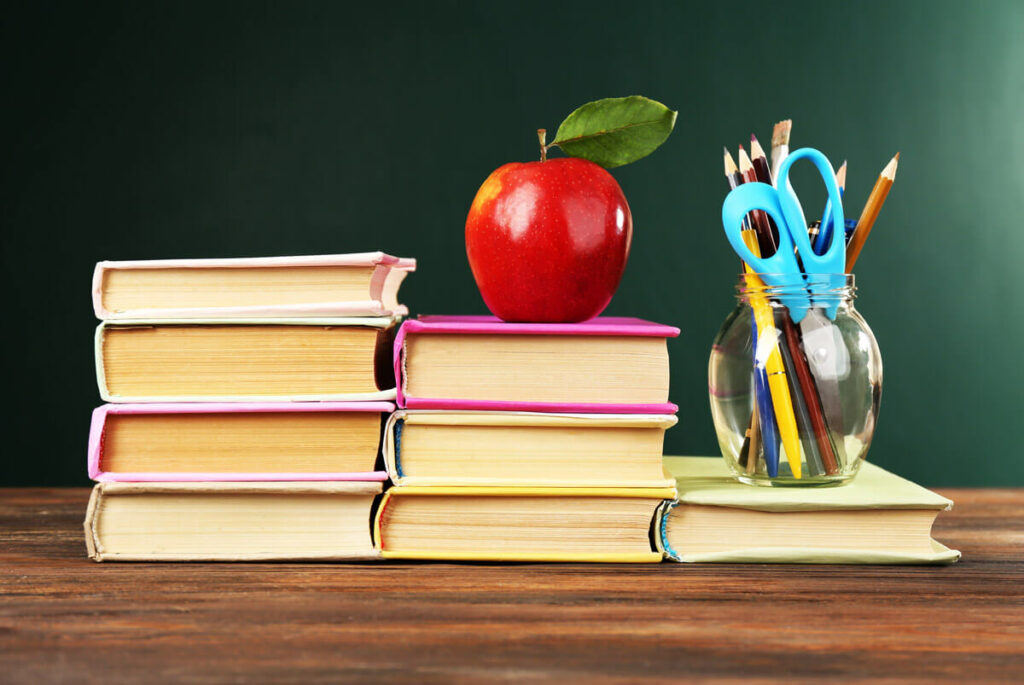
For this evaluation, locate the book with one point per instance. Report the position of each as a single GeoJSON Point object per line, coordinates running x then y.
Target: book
{"type": "Point", "coordinates": [287, 441]}
{"type": "Point", "coordinates": [430, 447]}
{"type": "Point", "coordinates": [878, 518]}
{"type": "Point", "coordinates": [239, 360]}
{"type": "Point", "coordinates": [607, 365]}
{"type": "Point", "coordinates": [363, 284]}
{"type": "Point", "coordinates": [230, 521]}
{"type": "Point", "coordinates": [519, 524]}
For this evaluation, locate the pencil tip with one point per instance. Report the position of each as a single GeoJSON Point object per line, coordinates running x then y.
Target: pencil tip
{"type": "Point", "coordinates": [741, 147]}
{"type": "Point", "coordinates": [753, 138]}
{"type": "Point", "coordinates": [897, 157]}
{"type": "Point", "coordinates": [725, 149]}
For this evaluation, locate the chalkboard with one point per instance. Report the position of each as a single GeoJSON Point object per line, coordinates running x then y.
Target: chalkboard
{"type": "Point", "coordinates": [188, 129]}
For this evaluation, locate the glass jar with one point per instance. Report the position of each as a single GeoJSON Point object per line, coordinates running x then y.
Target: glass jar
{"type": "Point", "coordinates": [795, 381]}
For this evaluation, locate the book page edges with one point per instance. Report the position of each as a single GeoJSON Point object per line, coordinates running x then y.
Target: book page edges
{"type": "Point", "coordinates": [100, 414]}
{"type": "Point", "coordinates": [368, 555]}
{"type": "Point", "coordinates": [535, 419]}
{"type": "Point", "coordinates": [288, 487]}
{"type": "Point", "coordinates": [92, 544]}
{"type": "Point", "coordinates": [206, 477]}
{"type": "Point", "coordinates": [375, 307]}
{"type": "Point", "coordinates": [553, 557]}
{"type": "Point", "coordinates": [940, 554]}
{"type": "Point", "coordinates": [511, 491]}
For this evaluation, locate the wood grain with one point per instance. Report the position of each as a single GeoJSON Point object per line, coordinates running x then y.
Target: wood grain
{"type": "Point", "coordinates": [64, 618]}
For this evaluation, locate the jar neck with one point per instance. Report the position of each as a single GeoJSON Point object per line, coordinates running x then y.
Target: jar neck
{"type": "Point", "coordinates": [822, 290]}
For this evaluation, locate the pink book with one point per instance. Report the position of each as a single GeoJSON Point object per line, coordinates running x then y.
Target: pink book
{"type": "Point", "coordinates": [605, 365]}
{"type": "Point", "coordinates": [280, 441]}
{"type": "Point", "coordinates": [361, 284]}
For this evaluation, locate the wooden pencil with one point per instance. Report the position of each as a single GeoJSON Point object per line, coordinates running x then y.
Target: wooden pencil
{"type": "Point", "coordinates": [759, 161]}
{"type": "Point", "coordinates": [765, 239]}
{"type": "Point", "coordinates": [871, 209]}
{"type": "Point", "coordinates": [810, 394]}
{"type": "Point", "coordinates": [780, 144]}
{"type": "Point", "coordinates": [764, 175]}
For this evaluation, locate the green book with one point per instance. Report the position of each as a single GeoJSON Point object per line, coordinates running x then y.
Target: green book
{"type": "Point", "coordinates": [879, 518]}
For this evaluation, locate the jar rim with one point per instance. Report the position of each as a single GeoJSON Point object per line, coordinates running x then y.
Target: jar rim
{"type": "Point", "coordinates": [824, 287]}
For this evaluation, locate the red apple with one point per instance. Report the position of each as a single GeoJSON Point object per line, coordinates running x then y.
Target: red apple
{"type": "Point", "coordinates": [548, 240]}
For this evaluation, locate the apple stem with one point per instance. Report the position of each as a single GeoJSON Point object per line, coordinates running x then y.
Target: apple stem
{"type": "Point", "coordinates": [542, 136]}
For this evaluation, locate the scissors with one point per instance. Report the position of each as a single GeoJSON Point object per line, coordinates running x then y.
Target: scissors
{"type": "Point", "coordinates": [783, 269]}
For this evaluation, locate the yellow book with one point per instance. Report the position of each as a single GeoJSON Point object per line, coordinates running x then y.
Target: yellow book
{"type": "Point", "coordinates": [519, 524]}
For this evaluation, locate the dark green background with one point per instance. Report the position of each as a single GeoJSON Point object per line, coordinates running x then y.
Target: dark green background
{"type": "Point", "coordinates": [158, 130]}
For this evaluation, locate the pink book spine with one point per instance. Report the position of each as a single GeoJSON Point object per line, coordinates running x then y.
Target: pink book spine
{"type": "Point", "coordinates": [99, 418]}
{"type": "Point", "coordinates": [484, 325]}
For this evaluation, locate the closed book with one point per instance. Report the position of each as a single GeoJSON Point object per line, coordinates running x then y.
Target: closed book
{"type": "Point", "coordinates": [245, 360]}
{"type": "Point", "coordinates": [230, 521]}
{"type": "Point", "coordinates": [607, 365]}
{"type": "Point", "coordinates": [878, 518]}
{"type": "Point", "coordinates": [284, 441]}
{"type": "Point", "coordinates": [364, 284]}
{"type": "Point", "coordinates": [524, 449]}
{"type": "Point", "coordinates": [519, 524]}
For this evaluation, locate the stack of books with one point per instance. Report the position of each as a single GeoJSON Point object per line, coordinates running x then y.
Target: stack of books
{"type": "Point", "coordinates": [252, 416]}
{"type": "Point", "coordinates": [246, 400]}
{"type": "Point", "coordinates": [527, 442]}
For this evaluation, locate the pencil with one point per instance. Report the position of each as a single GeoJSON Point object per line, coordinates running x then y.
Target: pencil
{"type": "Point", "coordinates": [805, 429]}
{"type": "Point", "coordinates": [810, 393]}
{"type": "Point", "coordinates": [764, 175]}
{"type": "Point", "coordinates": [824, 236]}
{"type": "Point", "coordinates": [765, 239]}
{"type": "Point", "coordinates": [780, 144]}
{"type": "Point", "coordinates": [871, 209]}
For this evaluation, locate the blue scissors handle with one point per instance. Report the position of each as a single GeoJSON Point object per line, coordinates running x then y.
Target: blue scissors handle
{"type": "Point", "coordinates": [782, 268]}
{"type": "Point", "coordinates": [833, 260]}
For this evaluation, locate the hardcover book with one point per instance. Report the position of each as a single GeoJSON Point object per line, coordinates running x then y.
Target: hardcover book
{"type": "Point", "coordinates": [431, 447]}
{"type": "Point", "coordinates": [230, 521]}
{"type": "Point", "coordinates": [519, 524]}
{"type": "Point", "coordinates": [606, 365]}
{"type": "Point", "coordinates": [240, 360]}
{"type": "Point", "coordinates": [879, 518]}
{"type": "Point", "coordinates": [363, 284]}
{"type": "Point", "coordinates": [289, 441]}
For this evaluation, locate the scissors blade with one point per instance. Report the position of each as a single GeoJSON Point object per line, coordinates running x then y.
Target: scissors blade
{"type": "Point", "coordinates": [829, 361]}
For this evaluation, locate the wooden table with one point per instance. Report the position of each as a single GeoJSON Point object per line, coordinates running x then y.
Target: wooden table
{"type": "Point", "coordinates": [64, 618]}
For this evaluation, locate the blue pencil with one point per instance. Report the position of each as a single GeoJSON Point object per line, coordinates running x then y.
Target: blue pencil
{"type": "Point", "coordinates": [762, 395]}
{"type": "Point", "coordinates": [825, 234]}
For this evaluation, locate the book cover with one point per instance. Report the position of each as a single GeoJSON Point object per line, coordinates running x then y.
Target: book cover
{"type": "Point", "coordinates": [100, 415]}
{"type": "Point", "coordinates": [230, 521]}
{"type": "Point", "coordinates": [384, 326]}
{"type": "Point", "coordinates": [490, 326]}
{"type": "Point", "coordinates": [500, 550]}
{"type": "Point", "coordinates": [379, 293]}
{"type": "Point", "coordinates": [705, 484]}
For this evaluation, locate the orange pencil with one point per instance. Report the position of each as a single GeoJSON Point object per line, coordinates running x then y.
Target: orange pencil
{"type": "Point", "coordinates": [871, 209]}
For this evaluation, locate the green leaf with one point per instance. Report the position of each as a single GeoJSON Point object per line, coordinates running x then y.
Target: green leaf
{"type": "Point", "coordinates": [615, 131]}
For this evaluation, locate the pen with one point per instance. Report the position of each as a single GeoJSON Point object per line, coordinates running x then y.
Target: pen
{"type": "Point", "coordinates": [768, 355]}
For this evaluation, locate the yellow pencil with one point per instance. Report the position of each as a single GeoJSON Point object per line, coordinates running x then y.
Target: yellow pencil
{"type": "Point", "coordinates": [778, 386]}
